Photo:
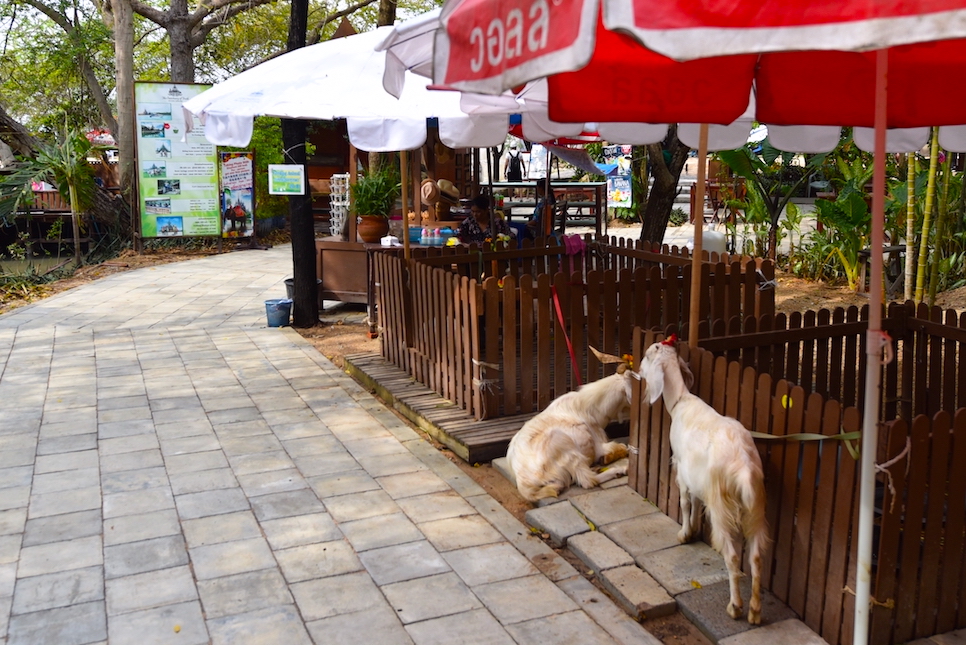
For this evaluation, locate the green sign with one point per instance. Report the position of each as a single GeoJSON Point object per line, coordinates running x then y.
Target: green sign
{"type": "Point", "coordinates": [286, 179]}
{"type": "Point", "coordinates": [177, 174]}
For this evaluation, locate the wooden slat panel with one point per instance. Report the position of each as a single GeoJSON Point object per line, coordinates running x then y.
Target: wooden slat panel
{"type": "Point", "coordinates": [948, 370]}
{"type": "Point", "coordinates": [545, 327]}
{"type": "Point", "coordinates": [828, 453]}
{"type": "Point", "coordinates": [509, 322]}
{"type": "Point", "coordinates": [953, 585]}
{"type": "Point", "coordinates": [789, 494]}
{"type": "Point", "coordinates": [916, 485]}
{"type": "Point", "coordinates": [561, 360]}
{"type": "Point", "coordinates": [805, 508]}
{"type": "Point", "coordinates": [836, 600]}
{"type": "Point", "coordinates": [883, 615]}
{"type": "Point", "coordinates": [527, 336]}
{"type": "Point", "coordinates": [577, 322]}
{"type": "Point", "coordinates": [933, 542]}
{"type": "Point", "coordinates": [774, 475]}
{"type": "Point", "coordinates": [491, 331]}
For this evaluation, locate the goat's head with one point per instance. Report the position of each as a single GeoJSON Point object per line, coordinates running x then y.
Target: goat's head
{"type": "Point", "coordinates": [625, 370]}
{"type": "Point", "coordinates": [659, 358]}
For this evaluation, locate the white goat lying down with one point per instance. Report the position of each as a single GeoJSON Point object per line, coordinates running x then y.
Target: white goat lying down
{"type": "Point", "coordinates": [558, 446]}
{"type": "Point", "coordinates": [717, 462]}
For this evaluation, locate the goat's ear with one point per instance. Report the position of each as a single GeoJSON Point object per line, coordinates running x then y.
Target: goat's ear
{"type": "Point", "coordinates": [686, 373]}
{"type": "Point", "coordinates": [654, 375]}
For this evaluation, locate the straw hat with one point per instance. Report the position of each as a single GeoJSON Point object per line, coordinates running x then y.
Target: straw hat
{"type": "Point", "coordinates": [448, 191]}
{"type": "Point", "coordinates": [429, 192]}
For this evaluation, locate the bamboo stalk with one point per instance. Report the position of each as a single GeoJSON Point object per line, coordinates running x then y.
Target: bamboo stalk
{"type": "Point", "coordinates": [927, 215]}
{"type": "Point", "coordinates": [910, 225]}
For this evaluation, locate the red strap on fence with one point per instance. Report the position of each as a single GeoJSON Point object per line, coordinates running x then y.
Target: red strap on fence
{"type": "Point", "coordinates": [563, 330]}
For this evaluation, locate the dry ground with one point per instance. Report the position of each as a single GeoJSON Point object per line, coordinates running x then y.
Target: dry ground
{"type": "Point", "coordinates": [343, 333]}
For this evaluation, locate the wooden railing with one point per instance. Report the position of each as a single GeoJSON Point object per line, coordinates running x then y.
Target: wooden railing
{"type": "Point", "coordinates": [919, 566]}
{"type": "Point", "coordinates": [489, 330]}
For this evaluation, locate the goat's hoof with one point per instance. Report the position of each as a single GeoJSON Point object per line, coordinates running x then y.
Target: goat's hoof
{"type": "Point", "coordinates": [735, 611]}
{"type": "Point", "coordinates": [754, 617]}
{"type": "Point", "coordinates": [684, 536]}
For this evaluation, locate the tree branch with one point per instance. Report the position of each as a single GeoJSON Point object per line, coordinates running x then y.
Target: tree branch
{"type": "Point", "coordinates": [317, 30]}
{"type": "Point", "coordinates": [147, 11]}
{"type": "Point", "coordinates": [200, 31]}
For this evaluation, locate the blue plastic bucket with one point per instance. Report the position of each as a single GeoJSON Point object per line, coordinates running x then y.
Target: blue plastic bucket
{"type": "Point", "coordinates": [278, 311]}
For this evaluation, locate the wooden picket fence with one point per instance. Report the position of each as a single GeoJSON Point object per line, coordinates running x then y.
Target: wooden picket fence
{"type": "Point", "coordinates": [919, 574]}
{"type": "Point", "coordinates": [492, 331]}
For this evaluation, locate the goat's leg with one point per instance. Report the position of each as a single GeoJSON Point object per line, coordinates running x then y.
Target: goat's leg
{"type": "Point", "coordinates": [612, 451]}
{"type": "Point", "coordinates": [687, 525]}
{"type": "Point", "coordinates": [733, 562]}
{"type": "Point", "coordinates": [587, 478]}
{"type": "Point", "coordinates": [755, 545]}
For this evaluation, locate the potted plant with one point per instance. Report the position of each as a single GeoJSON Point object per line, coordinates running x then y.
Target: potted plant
{"type": "Point", "coordinates": [373, 197]}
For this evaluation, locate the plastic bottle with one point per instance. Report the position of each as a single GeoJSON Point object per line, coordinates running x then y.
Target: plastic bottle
{"type": "Point", "coordinates": [425, 237]}
{"type": "Point", "coordinates": [437, 237]}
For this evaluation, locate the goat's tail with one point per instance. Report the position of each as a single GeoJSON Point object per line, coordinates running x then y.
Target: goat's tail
{"type": "Point", "coordinates": [736, 506]}
{"type": "Point", "coordinates": [752, 488]}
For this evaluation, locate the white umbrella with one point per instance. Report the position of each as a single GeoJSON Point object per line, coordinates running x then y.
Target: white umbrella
{"type": "Point", "coordinates": [341, 78]}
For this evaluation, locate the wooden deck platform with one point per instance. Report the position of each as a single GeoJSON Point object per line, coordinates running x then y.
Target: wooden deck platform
{"type": "Point", "coordinates": [474, 441]}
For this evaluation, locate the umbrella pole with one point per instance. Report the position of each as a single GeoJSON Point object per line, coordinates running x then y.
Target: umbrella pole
{"type": "Point", "coordinates": [695, 309]}
{"type": "Point", "coordinates": [404, 183]}
{"type": "Point", "coordinates": [873, 371]}
{"type": "Point", "coordinates": [489, 181]}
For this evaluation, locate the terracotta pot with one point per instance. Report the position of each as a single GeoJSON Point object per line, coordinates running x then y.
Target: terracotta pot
{"type": "Point", "coordinates": [372, 228]}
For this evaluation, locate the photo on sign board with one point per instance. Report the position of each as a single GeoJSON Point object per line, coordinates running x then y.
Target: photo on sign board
{"type": "Point", "coordinates": [154, 169]}
{"type": "Point", "coordinates": [170, 226]}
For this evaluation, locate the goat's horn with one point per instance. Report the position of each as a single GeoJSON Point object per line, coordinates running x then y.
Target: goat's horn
{"type": "Point", "coordinates": [607, 358]}
{"type": "Point", "coordinates": [671, 340]}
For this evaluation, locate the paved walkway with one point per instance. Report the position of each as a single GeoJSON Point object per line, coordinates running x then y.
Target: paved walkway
{"type": "Point", "coordinates": [173, 471]}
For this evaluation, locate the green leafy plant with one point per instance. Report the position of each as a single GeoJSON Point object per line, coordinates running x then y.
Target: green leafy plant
{"type": "Point", "coordinates": [764, 175]}
{"type": "Point", "coordinates": [375, 193]}
{"type": "Point", "coordinates": [848, 217]}
{"type": "Point", "coordinates": [678, 217]}
{"type": "Point", "coordinates": [62, 164]}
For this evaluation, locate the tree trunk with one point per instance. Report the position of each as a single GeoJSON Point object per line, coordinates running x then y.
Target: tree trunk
{"type": "Point", "coordinates": [124, 69]}
{"type": "Point", "coordinates": [179, 36]}
{"type": "Point", "coordinates": [305, 291]}
{"type": "Point", "coordinates": [666, 173]}
{"type": "Point", "coordinates": [16, 136]}
{"type": "Point", "coordinates": [387, 12]}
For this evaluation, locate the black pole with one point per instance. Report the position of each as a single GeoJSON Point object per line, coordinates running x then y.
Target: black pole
{"type": "Point", "coordinates": [305, 290]}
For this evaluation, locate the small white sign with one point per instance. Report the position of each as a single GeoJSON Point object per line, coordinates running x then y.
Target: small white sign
{"type": "Point", "coordinates": [286, 179]}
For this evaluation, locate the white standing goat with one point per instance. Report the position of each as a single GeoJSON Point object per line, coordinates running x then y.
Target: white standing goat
{"type": "Point", "coordinates": [716, 462]}
{"type": "Point", "coordinates": [560, 445]}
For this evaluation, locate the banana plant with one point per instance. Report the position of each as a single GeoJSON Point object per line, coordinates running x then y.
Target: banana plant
{"type": "Point", "coordinates": [62, 164]}
{"type": "Point", "coordinates": [848, 221]}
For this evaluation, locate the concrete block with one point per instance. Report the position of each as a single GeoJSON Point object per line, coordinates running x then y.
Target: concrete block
{"type": "Point", "coordinates": [707, 609]}
{"type": "Point", "coordinates": [684, 567]}
{"type": "Point", "coordinates": [598, 552]}
{"type": "Point", "coordinates": [786, 632]}
{"type": "Point", "coordinates": [644, 533]}
{"type": "Point", "coordinates": [951, 638]}
{"type": "Point", "coordinates": [612, 505]}
{"type": "Point", "coordinates": [501, 466]}
{"type": "Point", "coordinates": [561, 521]}
{"type": "Point", "coordinates": [637, 592]}
{"type": "Point", "coordinates": [621, 627]}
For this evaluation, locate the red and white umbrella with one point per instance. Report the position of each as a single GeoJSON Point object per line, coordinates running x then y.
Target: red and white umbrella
{"type": "Point", "coordinates": [866, 63]}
